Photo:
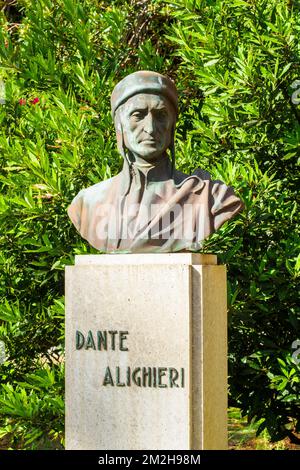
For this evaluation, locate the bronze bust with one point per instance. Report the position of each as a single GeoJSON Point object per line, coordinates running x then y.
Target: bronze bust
{"type": "Point", "coordinates": [150, 206]}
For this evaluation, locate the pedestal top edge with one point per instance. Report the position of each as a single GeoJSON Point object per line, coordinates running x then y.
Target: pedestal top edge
{"type": "Point", "coordinates": [146, 258]}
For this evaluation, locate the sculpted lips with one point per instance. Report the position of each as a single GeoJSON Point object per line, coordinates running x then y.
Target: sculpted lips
{"type": "Point", "coordinates": [148, 140]}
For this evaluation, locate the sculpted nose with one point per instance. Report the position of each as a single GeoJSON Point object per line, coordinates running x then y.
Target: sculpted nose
{"type": "Point", "coordinates": [149, 124]}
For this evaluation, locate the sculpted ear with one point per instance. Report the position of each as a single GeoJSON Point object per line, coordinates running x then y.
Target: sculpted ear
{"type": "Point", "coordinates": [119, 132]}
{"type": "Point", "coordinates": [172, 147]}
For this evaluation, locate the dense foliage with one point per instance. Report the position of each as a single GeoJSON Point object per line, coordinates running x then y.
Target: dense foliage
{"type": "Point", "coordinates": [236, 64]}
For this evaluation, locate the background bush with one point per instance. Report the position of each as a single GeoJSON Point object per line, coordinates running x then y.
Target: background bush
{"type": "Point", "coordinates": [236, 66]}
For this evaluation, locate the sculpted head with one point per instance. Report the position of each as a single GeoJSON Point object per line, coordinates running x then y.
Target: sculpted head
{"type": "Point", "coordinates": [144, 107]}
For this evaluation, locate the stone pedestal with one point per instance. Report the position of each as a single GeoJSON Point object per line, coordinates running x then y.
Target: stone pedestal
{"type": "Point", "coordinates": [146, 352]}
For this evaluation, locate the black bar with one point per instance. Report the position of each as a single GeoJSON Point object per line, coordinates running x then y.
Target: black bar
{"type": "Point", "coordinates": [133, 459]}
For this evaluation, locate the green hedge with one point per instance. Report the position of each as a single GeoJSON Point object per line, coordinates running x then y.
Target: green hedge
{"type": "Point", "coordinates": [235, 64]}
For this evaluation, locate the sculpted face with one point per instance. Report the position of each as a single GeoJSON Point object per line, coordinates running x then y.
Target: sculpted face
{"type": "Point", "coordinates": [147, 122]}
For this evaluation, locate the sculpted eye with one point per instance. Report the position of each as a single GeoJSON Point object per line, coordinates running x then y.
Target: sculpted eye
{"type": "Point", "coordinates": [137, 115]}
{"type": "Point", "coordinates": [161, 115]}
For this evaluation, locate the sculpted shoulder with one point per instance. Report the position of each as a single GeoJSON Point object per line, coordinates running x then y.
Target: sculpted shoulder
{"type": "Point", "coordinates": [83, 203]}
{"type": "Point", "coordinates": [180, 177]}
{"type": "Point", "coordinates": [97, 192]}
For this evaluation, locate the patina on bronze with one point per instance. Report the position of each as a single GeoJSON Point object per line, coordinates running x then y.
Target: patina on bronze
{"type": "Point", "coordinates": [150, 206]}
